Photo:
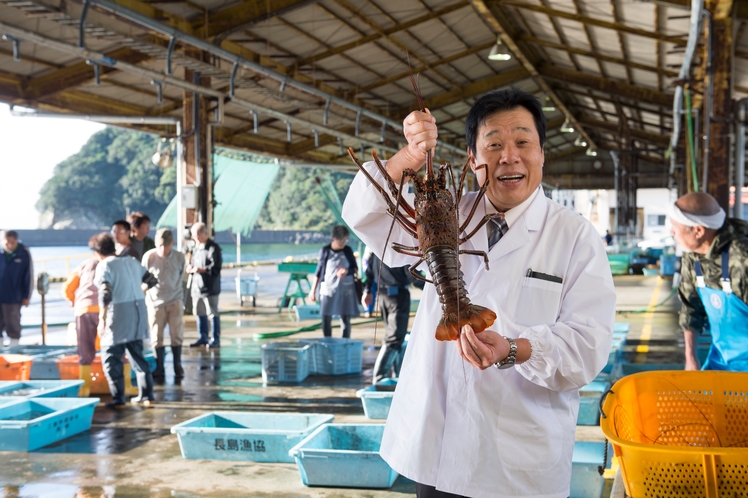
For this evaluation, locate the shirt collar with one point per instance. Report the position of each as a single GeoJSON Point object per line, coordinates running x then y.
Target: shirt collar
{"type": "Point", "coordinates": [513, 214]}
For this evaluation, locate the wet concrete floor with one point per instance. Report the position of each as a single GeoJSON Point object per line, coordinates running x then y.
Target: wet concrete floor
{"type": "Point", "coordinates": [131, 453]}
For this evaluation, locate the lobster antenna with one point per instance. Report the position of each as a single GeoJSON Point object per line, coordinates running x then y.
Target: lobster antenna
{"type": "Point", "coordinates": [417, 89]}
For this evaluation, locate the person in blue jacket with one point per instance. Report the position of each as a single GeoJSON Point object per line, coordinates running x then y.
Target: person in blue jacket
{"type": "Point", "coordinates": [16, 275]}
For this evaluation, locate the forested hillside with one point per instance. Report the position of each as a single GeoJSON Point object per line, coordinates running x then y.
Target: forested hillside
{"type": "Point", "coordinates": [113, 174]}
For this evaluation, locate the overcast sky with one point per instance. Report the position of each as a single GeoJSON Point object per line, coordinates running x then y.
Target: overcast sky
{"type": "Point", "coordinates": [30, 148]}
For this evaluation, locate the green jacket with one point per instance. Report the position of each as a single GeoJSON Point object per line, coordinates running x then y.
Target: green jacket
{"type": "Point", "coordinates": [733, 232]}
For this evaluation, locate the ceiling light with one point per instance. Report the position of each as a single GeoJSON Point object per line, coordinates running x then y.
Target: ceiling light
{"type": "Point", "coordinates": [580, 142]}
{"type": "Point", "coordinates": [591, 152]}
{"type": "Point", "coordinates": [499, 52]}
{"type": "Point", "coordinates": [548, 107]}
{"type": "Point", "coordinates": [567, 127]}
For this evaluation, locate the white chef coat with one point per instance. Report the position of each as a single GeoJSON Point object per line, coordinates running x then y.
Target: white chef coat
{"type": "Point", "coordinates": [498, 433]}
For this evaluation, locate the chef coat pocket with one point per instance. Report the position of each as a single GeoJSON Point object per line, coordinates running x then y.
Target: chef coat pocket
{"type": "Point", "coordinates": [529, 434]}
{"type": "Point", "coordinates": [538, 302]}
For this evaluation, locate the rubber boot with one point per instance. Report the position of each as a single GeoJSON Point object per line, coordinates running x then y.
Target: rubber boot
{"type": "Point", "coordinates": [158, 373]}
{"type": "Point", "coordinates": [176, 352]}
{"type": "Point", "coordinates": [84, 374]}
{"type": "Point", "coordinates": [202, 329]}
{"type": "Point", "coordinates": [216, 342]}
{"type": "Point", "coordinates": [13, 343]}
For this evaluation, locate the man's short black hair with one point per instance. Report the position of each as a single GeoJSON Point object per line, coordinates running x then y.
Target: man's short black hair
{"type": "Point", "coordinates": [340, 232]}
{"type": "Point", "coordinates": [10, 234]}
{"type": "Point", "coordinates": [502, 100]}
{"type": "Point", "coordinates": [102, 244]}
{"type": "Point", "coordinates": [122, 223]}
{"type": "Point", "coordinates": [137, 218]}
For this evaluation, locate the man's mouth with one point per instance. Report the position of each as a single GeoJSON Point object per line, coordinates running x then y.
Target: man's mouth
{"type": "Point", "coordinates": [511, 178]}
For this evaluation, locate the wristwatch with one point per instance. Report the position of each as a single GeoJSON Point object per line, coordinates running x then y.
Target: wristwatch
{"type": "Point", "coordinates": [508, 362]}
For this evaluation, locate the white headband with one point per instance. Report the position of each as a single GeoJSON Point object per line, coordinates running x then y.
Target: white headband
{"type": "Point", "coordinates": [714, 221]}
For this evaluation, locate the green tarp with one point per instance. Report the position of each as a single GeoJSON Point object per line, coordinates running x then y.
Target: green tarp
{"type": "Point", "coordinates": [240, 190]}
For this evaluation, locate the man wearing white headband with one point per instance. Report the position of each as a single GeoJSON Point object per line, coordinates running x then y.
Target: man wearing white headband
{"type": "Point", "coordinates": [714, 286]}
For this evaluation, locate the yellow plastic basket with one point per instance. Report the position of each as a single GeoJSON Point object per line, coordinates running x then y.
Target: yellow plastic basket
{"type": "Point", "coordinates": [680, 433]}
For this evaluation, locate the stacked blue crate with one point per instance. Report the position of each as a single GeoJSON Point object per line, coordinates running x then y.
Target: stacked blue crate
{"type": "Point", "coordinates": [40, 388]}
{"type": "Point", "coordinates": [344, 455]}
{"type": "Point", "coordinates": [589, 402]}
{"type": "Point", "coordinates": [286, 361]}
{"type": "Point", "coordinates": [29, 424]}
{"type": "Point", "coordinates": [258, 437]}
{"type": "Point", "coordinates": [335, 356]}
{"type": "Point", "coordinates": [586, 481]}
{"type": "Point", "coordinates": [44, 366]}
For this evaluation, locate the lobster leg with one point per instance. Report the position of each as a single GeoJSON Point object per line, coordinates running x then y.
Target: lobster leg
{"type": "Point", "coordinates": [417, 276]}
{"type": "Point", "coordinates": [485, 220]}
{"type": "Point", "coordinates": [407, 225]}
{"type": "Point", "coordinates": [462, 181]}
{"type": "Point", "coordinates": [399, 248]}
{"type": "Point", "coordinates": [393, 186]}
{"type": "Point", "coordinates": [477, 253]}
{"type": "Point", "coordinates": [478, 198]}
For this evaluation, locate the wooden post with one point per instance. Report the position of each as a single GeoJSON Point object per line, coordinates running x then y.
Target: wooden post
{"type": "Point", "coordinates": [718, 183]}
{"type": "Point", "coordinates": [196, 165]}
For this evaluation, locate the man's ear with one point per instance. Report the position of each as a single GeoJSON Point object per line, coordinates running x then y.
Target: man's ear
{"type": "Point", "coordinates": [471, 160]}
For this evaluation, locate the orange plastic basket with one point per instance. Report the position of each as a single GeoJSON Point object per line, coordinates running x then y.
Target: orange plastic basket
{"type": "Point", "coordinates": [69, 369]}
{"type": "Point", "coordinates": [15, 367]}
{"type": "Point", "coordinates": [679, 433]}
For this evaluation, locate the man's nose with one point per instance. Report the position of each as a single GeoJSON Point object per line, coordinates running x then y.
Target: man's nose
{"type": "Point", "coordinates": [509, 154]}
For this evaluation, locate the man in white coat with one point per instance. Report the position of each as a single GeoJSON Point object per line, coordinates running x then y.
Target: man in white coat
{"type": "Point", "coordinates": [494, 414]}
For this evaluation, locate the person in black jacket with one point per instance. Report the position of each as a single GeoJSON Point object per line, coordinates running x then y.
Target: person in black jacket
{"type": "Point", "coordinates": [205, 271]}
{"type": "Point", "coordinates": [16, 274]}
{"type": "Point", "coordinates": [394, 304]}
{"type": "Point", "coordinates": [334, 281]}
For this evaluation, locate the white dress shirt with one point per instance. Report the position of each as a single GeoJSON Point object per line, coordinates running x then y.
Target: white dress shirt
{"type": "Point", "coordinates": [498, 433]}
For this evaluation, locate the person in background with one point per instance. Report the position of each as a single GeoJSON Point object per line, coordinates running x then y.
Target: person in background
{"type": "Point", "coordinates": [16, 284]}
{"type": "Point", "coordinates": [205, 269]}
{"type": "Point", "coordinates": [608, 238]}
{"type": "Point", "coordinates": [334, 281]}
{"type": "Point", "coordinates": [165, 301]}
{"type": "Point", "coordinates": [123, 320]}
{"type": "Point", "coordinates": [394, 304]}
{"type": "Point", "coordinates": [121, 234]}
{"type": "Point", "coordinates": [81, 291]}
{"type": "Point", "coordinates": [371, 288]}
{"type": "Point", "coordinates": [140, 225]}
{"type": "Point", "coordinates": [714, 281]}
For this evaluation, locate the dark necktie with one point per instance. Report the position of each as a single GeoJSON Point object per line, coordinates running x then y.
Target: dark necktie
{"type": "Point", "coordinates": [498, 228]}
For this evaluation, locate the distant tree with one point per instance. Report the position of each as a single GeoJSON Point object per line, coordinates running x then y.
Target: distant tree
{"type": "Point", "coordinates": [111, 175]}
{"type": "Point", "coordinates": [295, 201]}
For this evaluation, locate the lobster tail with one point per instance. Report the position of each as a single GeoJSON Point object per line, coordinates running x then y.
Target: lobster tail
{"type": "Point", "coordinates": [478, 317]}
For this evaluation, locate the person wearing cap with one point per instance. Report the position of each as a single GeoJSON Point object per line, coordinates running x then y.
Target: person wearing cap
{"type": "Point", "coordinates": [16, 284]}
{"type": "Point", "coordinates": [165, 301]}
{"type": "Point", "coordinates": [714, 284]}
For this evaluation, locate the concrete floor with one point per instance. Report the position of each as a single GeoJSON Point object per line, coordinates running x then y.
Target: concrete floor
{"type": "Point", "coordinates": [131, 453]}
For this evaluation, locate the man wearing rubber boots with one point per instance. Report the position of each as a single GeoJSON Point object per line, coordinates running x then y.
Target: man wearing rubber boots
{"type": "Point", "coordinates": [206, 285]}
{"type": "Point", "coordinates": [714, 284]}
{"type": "Point", "coordinates": [494, 415]}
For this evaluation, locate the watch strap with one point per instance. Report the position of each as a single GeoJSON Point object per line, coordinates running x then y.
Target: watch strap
{"type": "Point", "coordinates": [511, 358]}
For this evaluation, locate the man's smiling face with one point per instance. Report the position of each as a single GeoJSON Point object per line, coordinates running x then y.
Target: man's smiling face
{"type": "Point", "coordinates": [509, 145]}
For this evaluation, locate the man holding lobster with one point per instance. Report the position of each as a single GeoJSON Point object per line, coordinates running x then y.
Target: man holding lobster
{"type": "Point", "coordinates": [495, 414]}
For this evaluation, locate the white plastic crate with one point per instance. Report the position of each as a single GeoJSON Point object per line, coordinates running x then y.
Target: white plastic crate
{"type": "Point", "coordinates": [307, 312]}
{"type": "Point", "coordinates": [285, 361]}
{"type": "Point", "coordinates": [335, 356]}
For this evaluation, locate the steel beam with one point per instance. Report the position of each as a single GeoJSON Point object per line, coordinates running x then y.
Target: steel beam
{"type": "Point", "coordinates": [645, 136]}
{"type": "Point", "coordinates": [381, 34]}
{"type": "Point", "coordinates": [606, 85]}
{"type": "Point", "coordinates": [243, 14]}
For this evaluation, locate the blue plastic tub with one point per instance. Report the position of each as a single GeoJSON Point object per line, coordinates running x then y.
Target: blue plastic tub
{"type": "Point", "coordinates": [334, 356]}
{"type": "Point", "coordinates": [589, 403]}
{"type": "Point", "coordinates": [378, 398]}
{"type": "Point", "coordinates": [34, 423]}
{"type": "Point", "coordinates": [616, 349]}
{"type": "Point", "coordinates": [259, 437]}
{"type": "Point", "coordinates": [7, 400]}
{"type": "Point", "coordinates": [41, 388]}
{"type": "Point", "coordinates": [586, 481]}
{"type": "Point", "coordinates": [624, 369]}
{"type": "Point", "coordinates": [285, 361]}
{"type": "Point", "coordinates": [667, 265]}
{"type": "Point", "coordinates": [308, 312]}
{"type": "Point", "coordinates": [344, 455]}
{"type": "Point", "coordinates": [44, 366]}
{"type": "Point", "coordinates": [622, 327]}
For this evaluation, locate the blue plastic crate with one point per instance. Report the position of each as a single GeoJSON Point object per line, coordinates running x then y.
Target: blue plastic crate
{"type": "Point", "coordinates": [622, 327]}
{"type": "Point", "coordinates": [41, 388]}
{"type": "Point", "coordinates": [623, 369]}
{"type": "Point", "coordinates": [586, 481]}
{"type": "Point", "coordinates": [616, 349]}
{"type": "Point", "coordinates": [44, 366]}
{"type": "Point", "coordinates": [151, 359]}
{"type": "Point", "coordinates": [667, 265]}
{"type": "Point", "coordinates": [259, 437]}
{"type": "Point", "coordinates": [285, 361]}
{"type": "Point", "coordinates": [344, 455]}
{"type": "Point", "coordinates": [308, 312]}
{"type": "Point", "coordinates": [7, 400]}
{"type": "Point", "coordinates": [334, 356]}
{"type": "Point", "coordinates": [34, 423]}
{"type": "Point", "coordinates": [377, 399]}
{"type": "Point", "coordinates": [589, 403]}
